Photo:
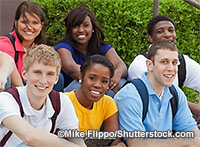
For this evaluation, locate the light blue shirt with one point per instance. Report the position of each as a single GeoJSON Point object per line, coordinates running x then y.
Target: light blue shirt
{"type": "Point", "coordinates": [159, 115]}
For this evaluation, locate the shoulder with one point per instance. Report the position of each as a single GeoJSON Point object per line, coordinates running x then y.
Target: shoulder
{"type": "Point", "coordinates": [105, 48]}
{"type": "Point", "coordinates": [63, 44]}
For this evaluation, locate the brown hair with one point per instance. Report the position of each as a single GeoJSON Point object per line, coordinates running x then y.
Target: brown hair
{"type": "Point", "coordinates": [31, 8]}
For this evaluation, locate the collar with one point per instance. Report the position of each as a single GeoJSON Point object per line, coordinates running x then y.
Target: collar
{"type": "Point", "coordinates": [27, 107]}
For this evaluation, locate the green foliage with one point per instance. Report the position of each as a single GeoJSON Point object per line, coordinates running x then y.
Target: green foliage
{"type": "Point", "coordinates": [124, 23]}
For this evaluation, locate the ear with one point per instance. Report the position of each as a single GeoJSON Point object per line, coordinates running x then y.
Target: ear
{"type": "Point", "coordinates": [57, 78]}
{"type": "Point", "coordinates": [149, 65]}
{"type": "Point", "coordinates": [24, 75]}
{"type": "Point", "coordinates": [150, 38]}
{"type": "Point", "coordinates": [15, 23]}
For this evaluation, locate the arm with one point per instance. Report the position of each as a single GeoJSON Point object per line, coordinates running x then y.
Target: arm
{"type": "Point", "coordinates": [69, 66]}
{"type": "Point", "coordinates": [33, 136]}
{"type": "Point", "coordinates": [195, 108]}
{"type": "Point", "coordinates": [111, 124]}
{"type": "Point", "coordinates": [16, 79]}
{"type": "Point", "coordinates": [120, 69]}
{"type": "Point", "coordinates": [173, 142]}
{"type": "Point", "coordinates": [6, 67]}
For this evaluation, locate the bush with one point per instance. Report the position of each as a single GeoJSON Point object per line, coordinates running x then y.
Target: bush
{"type": "Point", "coordinates": [124, 23]}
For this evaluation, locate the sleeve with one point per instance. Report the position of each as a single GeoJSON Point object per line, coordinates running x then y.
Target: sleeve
{"type": "Point", "coordinates": [63, 44]}
{"type": "Point", "coordinates": [130, 108]}
{"type": "Point", "coordinates": [110, 107]}
{"type": "Point", "coordinates": [137, 67]}
{"type": "Point", "coordinates": [183, 121]}
{"type": "Point", "coordinates": [6, 46]}
{"type": "Point", "coordinates": [67, 118]}
{"type": "Point", "coordinates": [105, 49]}
{"type": "Point", "coordinates": [8, 106]}
{"type": "Point", "coordinates": [192, 74]}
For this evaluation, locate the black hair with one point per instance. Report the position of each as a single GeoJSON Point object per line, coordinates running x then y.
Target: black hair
{"type": "Point", "coordinates": [75, 17]}
{"type": "Point", "coordinates": [155, 20]}
{"type": "Point", "coordinates": [97, 59]}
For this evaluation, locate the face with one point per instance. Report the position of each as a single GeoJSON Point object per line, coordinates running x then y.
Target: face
{"type": "Point", "coordinates": [164, 68]}
{"type": "Point", "coordinates": [82, 33]}
{"type": "Point", "coordinates": [163, 30]}
{"type": "Point", "coordinates": [95, 82]}
{"type": "Point", "coordinates": [40, 80]}
{"type": "Point", "coordinates": [29, 29]}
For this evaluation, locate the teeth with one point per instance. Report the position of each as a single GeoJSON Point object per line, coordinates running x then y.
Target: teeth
{"type": "Point", "coordinates": [29, 33]}
{"type": "Point", "coordinates": [41, 87]}
{"type": "Point", "coordinates": [169, 76]}
{"type": "Point", "coordinates": [95, 92]}
{"type": "Point", "coordinates": [81, 36]}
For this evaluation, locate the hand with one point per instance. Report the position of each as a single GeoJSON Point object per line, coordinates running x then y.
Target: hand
{"type": "Point", "coordinates": [114, 84]}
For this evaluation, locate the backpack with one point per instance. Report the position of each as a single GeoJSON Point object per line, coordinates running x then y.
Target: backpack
{"type": "Point", "coordinates": [142, 90]}
{"type": "Point", "coordinates": [12, 40]}
{"type": "Point", "coordinates": [181, 69]}
{"type": "Point", "coordinates": [55, 101]}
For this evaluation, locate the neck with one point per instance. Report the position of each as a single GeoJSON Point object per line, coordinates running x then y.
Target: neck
{"type": "Point", "coordinates": [27, 44]}
{"type": "Point", "coordinates": [83, 100]}
{"type": "Point", "coordinates": [83, 48]}
{"type": "Point", "coordinates": [158, 88]}
{"type": "Point", "coordinates": [36, 103]}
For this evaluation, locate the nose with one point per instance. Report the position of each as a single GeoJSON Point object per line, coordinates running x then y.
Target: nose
{"type": "Point", "coordinates": [97, 84]}
{"type": "Point", "coordinates": [43, 79]}
{"type": "Point", "coordinates": [167, 34]}
{"type": "Point", "coordinates": [171, 66]}
{"type": "Point", "coordinates": [29, 26]}
{"type": "Point", "coordinates": [80, 29]}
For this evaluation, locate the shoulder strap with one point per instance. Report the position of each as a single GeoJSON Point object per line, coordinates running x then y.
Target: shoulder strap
{"type": "Point", "coordinates": [12, 90]}
{"type": "Point", "coordinates": [142, 90]}
{"type": "Point", "coordinates": [12, 40]}
{"type": "Point", "coordinates": [55, 100]}
{"type": "Point", "coordinates": [174, 101]}
{"type": "Point", "coordinates": [181, 70]}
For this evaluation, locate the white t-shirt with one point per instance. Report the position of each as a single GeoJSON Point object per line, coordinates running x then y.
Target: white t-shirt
{"type": "Point", "coordinates": [192, 80]}
{"type": "Point", "coordinates": [66, 119]}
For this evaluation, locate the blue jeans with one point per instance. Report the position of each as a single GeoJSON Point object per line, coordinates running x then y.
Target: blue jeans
{"type": "Point", "coordinates": [59, 86]}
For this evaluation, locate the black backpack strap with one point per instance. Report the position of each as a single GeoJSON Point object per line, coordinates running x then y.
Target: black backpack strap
{"type": "Point", "coordinates": [174, 101]}
{"type": "Point", "coordinates": [181, 70]}
{"type": "Point", "coordinates": [12, 40]}
{"type": "Point", "coordinates": [142, 90]}
{"type": "Point", "coordinates": [12, 90]}
{"type": "Point", "coordinates": [55, 100]}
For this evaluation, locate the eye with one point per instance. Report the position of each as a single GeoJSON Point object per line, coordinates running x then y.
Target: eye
{"type": "Point", "coordinates": [105, 81]}
{"type": "Point", "coordinates": [92, 78]}
{"type": "Point", "coordinates": [175, 62]}
{"type": "Point", "coordinates": [171, 30]}
{"type": "Point", "coordinates": [76, 26]}
{"type": "Point", "coordinates": [164, 62]}
{"type": "Point", "coordinates": [37, 72]}
{"type": "Point", "coordinates": [35, 22]}
{"type": "Point", "coordinates": [86, 24]}
{"type": "Point", "coordinates": [51, 73]}
{"type": "Point", "coordinates": [160, 31]}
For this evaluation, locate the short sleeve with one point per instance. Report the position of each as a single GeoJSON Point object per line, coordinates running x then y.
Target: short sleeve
{"type": "Point", "coordinates": [110, 107]}
{"type": "Point", "coordinates": [63, 44]}
{"type": "Point", "coordinates": [105, 49]}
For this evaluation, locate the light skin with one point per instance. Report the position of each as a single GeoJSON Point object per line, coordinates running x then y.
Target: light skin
{"type": "Point", "coordinates": [40, 80]}
{"type": "Point", "coordinates": [29, 29]}
{"type": "Point", "coordinates": [6, 67]}
{"type": "Point", "coordinates": [82, 34]}
{"type": "Point", "coordinates": [165, 30]}
{"type": "Point", "coordinates": [161, 73]}
{"type": "Point", "coordinates": [93, 86]}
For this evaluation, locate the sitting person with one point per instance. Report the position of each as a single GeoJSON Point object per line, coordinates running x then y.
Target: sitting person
{"type": "Point", "coordinates": [41, 67]}
{"type": "Point", "coordinates": [92, 106]}
{"type": "Point", "coordinates": [163, 28]}
{"type": "Point", "coordinates": [162, 65]}
{"type": "Point", "coordinates": [83, 38]}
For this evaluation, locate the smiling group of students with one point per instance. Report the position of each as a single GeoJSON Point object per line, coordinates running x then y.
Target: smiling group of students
{"type": "Point", "coordinates": [94, 75]}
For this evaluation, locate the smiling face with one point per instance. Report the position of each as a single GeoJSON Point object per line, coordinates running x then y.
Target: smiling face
{"type": "Point", "coordinates": [83, 32]}
{"type": "Point", "coordinates": [40, 80]}
{"type": "Point", "coordinates": [163, 30]}
{"type": "Point", "coordinates": [29, 28]}
{"type": "Point", "coordinates": [94, 83]}
{"type": "Point", "coordinates": [163, 69]}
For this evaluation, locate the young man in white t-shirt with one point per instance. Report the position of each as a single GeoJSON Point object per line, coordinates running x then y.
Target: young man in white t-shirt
{"type": "Point", "coordinates": [41, 69]}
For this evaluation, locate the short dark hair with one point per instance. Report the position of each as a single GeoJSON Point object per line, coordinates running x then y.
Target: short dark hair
{"type": "Point", "coordinates": [97, 59]}
{"type": "Point", "coordinates": [161, 44]}
{"type": "Point", "coordinates": [75, 17]}
{"type": "Point", "coordinates": [155, 20]}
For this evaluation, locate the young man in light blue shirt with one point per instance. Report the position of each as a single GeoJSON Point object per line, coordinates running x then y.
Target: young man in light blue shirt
{"type": "Point", "coordinates": [162, 65]}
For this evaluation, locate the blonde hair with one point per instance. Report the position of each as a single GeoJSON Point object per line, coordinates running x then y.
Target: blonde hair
{"type": "Point", "coordinates": [42, 54]}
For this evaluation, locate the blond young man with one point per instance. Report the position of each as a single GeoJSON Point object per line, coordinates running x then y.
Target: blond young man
{"type": "Point", "coordinates": [41, 69]}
